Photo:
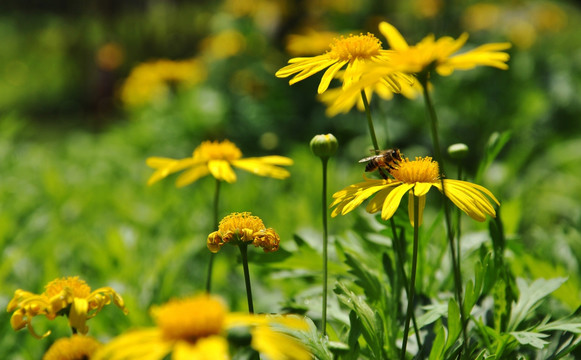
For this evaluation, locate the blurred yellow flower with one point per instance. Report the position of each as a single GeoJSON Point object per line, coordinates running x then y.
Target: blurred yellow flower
{"type": "Point", "coordinates": [151, 80]}
{"type": "Point", "coordinates": [217, 158]}
{"type": "Point", "coordinates": [223, 45]}
{"type": "Point", "coordinates": [68, 296]}
{"type": "Point", "coordinates": [196, 328]}
{"type": "Point", "coordinates": [243, 228]}
{"type": "Point", "coordinates": [311, 42]}
{"type": "Point", "coordinates": [77, 347]}
{"type": "Point", "coordinates": [416, 178]}
{"type": "Point", "coordinates": [440, 55]}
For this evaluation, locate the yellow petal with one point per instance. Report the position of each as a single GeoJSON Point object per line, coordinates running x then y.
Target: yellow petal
{"type": "Point", "coordinates": [393, 199]}
{"type": "Point", "coordinates": [192, 175]}
{"type": "Point", "coordinates": [276, 160]}
{"type": "Point", "coordinates": [221, 170]}
{"type": "Point", "coordinates": [394, 38]}
{"type": "Point", "coordinates": [258, 167]}
{"type": "Point", "coordinates": [300, 64]}
{"type": "Point", "coordinates": [208, 348]}
{"type": "Point", "coordinates": [277, 346]}
{"type": "Point", "coordinates": [421, 189]}
{"type": "Point", "coordinates": [146, 344]}
{"type": "Point", "coordinates": [329, 75]}
{"type": "Point", "coordinates": [78, 315]}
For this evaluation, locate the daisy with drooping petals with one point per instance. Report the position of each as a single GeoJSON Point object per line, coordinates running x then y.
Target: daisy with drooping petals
{"type": "Point", "coordinates": [197, 328]}
{"type": "Point", "coordinates": [77, 347]}
{"type": "Point", "coordinates": [416, 178]}
{"type": "Point", "coordinates": [68, 296]}
{"type": "Point", "coordinates": [217, 158]}
{"type": "Point", "coordinates": [243, 228]}
{"type": "Point", "coordinates": [354, 52]}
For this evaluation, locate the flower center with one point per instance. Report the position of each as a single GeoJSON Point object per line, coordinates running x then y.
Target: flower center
{"type": "Point", "coordinates": [355, 47]}
{"type": "Point", "coordinates": [215, 150]}
{"type": "Point", "coordinates": [238, 222]}
{"type": "Point", "coordinates": [423, 170]}
{"type": "Point", "coordinates": [76, 347]}
{"type": "Point", "coordinates": [191, 318]}
{"type": "Point", "coordinates": [79, 287]}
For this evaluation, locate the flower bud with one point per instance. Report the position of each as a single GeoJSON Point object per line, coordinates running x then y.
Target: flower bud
{"type": "Point", "coordinates": [458, 151]}
{"type": "Point", "coordinates": [324, 146]}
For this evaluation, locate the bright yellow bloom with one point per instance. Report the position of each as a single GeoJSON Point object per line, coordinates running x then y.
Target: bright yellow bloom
{"type": "Point", "coordinates": [243, 228]}
{"type": "Point", "coordinates": [217, 158]}
{"type": "Point", "coordinates": [77, 347]}
{"type": "Point", "coordinates": [416, 178]}
{"type": "Point", "coordinates": [68, 296]}
{"type": "Point", "coordinates": [441, 54]}
{"type": "Point", "coordinates": [196, 328]}
{"type": "Point", "coordinates": [356, 52]}
{"type": "Point", "coordinates": [312, 42]}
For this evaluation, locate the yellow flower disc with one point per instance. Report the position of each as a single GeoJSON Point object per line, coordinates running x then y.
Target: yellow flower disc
{"type": "Point", "coordinates": [355, 47]}
{"type": "Point", "coordinates": [191, 318]}
{"type": "Point", "coordinates": [77, 347]}
{"type": "Point", "coordinates": [215, 150]}
{"type": "Point", "coordinates": [79, 287]}
{"type": "Point", "coordinates": [423, 170]}
{"type": "Point", "coordinates": [243, 224]}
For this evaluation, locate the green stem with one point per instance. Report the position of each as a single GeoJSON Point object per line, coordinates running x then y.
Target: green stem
{"type": "Point", "coordinates": [325, 242]}
{"type": "Point", "coordinates": [439, 159]}
{"type": "Point", "coordinates": [412, 285]}
{"type": "Point", "coordinates": [211, 261]}
{"type": "Point", "coordinates": [369, 121]}
{"type": "Point", "coordinates": [244, 253]}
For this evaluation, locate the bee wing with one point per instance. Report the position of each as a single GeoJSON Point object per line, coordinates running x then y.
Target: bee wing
{"type": "Point", "coordinates": [369, 158]}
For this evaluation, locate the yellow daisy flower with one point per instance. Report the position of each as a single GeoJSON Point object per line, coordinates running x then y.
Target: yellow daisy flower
{"type": "Point", "coordinates": [196, 328]}
{"type": "Point", "coordinates": [441, 54]}
{"type": "Point", "coordinates": [217, 158]}
{"type": "Point", "coordinates": [68, 296]}
{"type": "Point", "coordinates": [355, 52]}
{"type": "Point", "coordinates": [77, 347]}
{"type": "Point", "coordinates": [416, 178]}
{"type": "Point", "coordinates": [243, 227]}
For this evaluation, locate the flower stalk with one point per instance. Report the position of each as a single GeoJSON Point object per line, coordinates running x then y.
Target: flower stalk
{"type": "Point", "coordinates": [244, 254]}
{"type": "Point", "coordinates": [211, 261]}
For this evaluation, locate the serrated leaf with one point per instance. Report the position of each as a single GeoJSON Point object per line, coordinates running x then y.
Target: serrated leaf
{"type": "Point", "coordinates": [530, 296]}
{"type": "Point", "coordinates": [439, 342]}
{"type": "Point", "coordinates": [312, 340]}
{"type": "Point", "coordinates": [530, 338]}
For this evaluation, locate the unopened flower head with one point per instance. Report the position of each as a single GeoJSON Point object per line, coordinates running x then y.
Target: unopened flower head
{"type": "Point", "coordinates": [68, 296]}
{"type": "Point", "coordinates": [238, 228]}
{"type": "Point", "coordinates": [217, 158]}
{"type": "Point", "coordinates": [197, 327]}
{"type": "Point", "coordinates": [76, 347]}
{"type": "Point", "coordinates": [416, 178]}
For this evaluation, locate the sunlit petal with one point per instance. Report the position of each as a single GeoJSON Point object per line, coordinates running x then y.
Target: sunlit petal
{"type": "Point", "coordinates": [221, 170]}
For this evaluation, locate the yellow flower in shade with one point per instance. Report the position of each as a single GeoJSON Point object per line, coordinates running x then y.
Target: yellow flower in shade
{"type": "Point", "coordinates": [68, 296]}
{"type": "Point", "coordinates": [311, 42]}
{"type": "Point", "coordinates": [243, 227]}
{"type": "Point", "coordinates": [77, 347]}
{"type": "Point", "coordinates": [354, 52]}
{"type": "Point", "coordinates": [217, 158]}
{"type": "Point", "coordinates": [415, 178]}
{"type": "Point", "coordinates": [196, 328]}
{"type": "Point", "coordinates": [440, 54]}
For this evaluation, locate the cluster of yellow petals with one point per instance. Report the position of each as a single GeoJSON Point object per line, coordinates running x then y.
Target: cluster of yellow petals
{"type": "Point", "coordinates": [197, 327]}
{"type": "Point", "coordinates": [68, 296]}
{"type": "Point", "coordinates": [76, 347]}
{"type": "Point", "coordinates": [151, 80]}
{"type": "Point", "coordinates": [217, 158]}
{"type": "Point", "coordinates": [415, 178]}
{"type": "Point", "coordinates": [243, 227]}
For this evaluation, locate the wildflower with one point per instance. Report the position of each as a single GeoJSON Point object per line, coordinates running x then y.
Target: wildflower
{"type": "Point", "coordinates": [217, 158]}
{"type": "Point", "coordinates": [197, 328]}
{"type": "Point", "coordinates": [416, 178]}
{"type": "Point", "coordinates": [356, 52]}
{"type": "Point", "coordinates": [243, 228]}
{"type": "Point", "coordinates": [77, 347]}
{"type": "Point", "coordinates": [68, 296]}
{"type": "Point", "coordinates": [312, 42]}
{"type": "Point", "coordinates": [324, 146]}
{"type": "Point", "coordinates": [441, 54]}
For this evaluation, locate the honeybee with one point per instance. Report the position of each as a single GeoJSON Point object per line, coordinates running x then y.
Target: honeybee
{"type": "Point", "coordinates": [383, 160]}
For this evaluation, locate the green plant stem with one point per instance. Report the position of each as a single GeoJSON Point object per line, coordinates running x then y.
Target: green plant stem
{"type": "Point", "coordinates": [244, 254]}
{"type": "Point", "coordinates": [438, 155]}
{"type": "Point", "coordinates": [412, 285]}
{"type": "Point", "coordinates": [397, 249]}
{"type": "Point", "coordinates": [325, 245]}
{"type": "Point", "coordinates": [211, 261]}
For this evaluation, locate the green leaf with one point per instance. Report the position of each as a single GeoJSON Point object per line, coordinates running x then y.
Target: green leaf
{"type": "Point", "coordinates": [530, 296]}
{"type": "Point", "coordinates": [530, 338]}
{"type": "Point", "coordinates": [454, 323]}
{"type": "Point", "coordinates": [496, 142]}
{"type": "Point", "coordinates": [311, 338]}
{"type": "Point", "coordinates": [439, 342]}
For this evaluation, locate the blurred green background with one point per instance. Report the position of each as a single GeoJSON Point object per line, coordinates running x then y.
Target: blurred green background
{"type": "Point", "coordinates": [89, 90]}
